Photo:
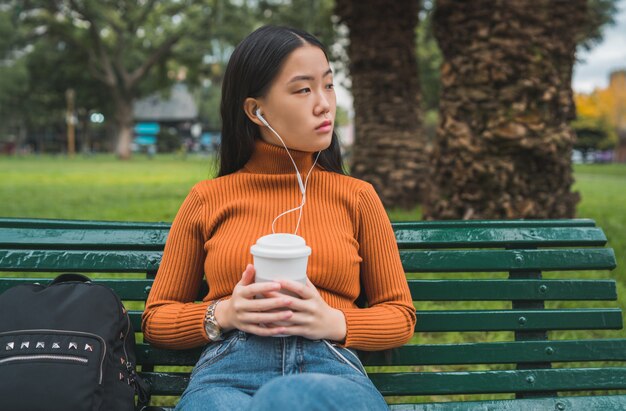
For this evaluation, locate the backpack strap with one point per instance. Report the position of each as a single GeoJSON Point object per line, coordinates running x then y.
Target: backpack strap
{"type": "Point", "coordinates": [70, 277]}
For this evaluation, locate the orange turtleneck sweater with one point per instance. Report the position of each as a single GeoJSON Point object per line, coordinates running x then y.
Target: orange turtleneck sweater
{"type": "Point", "coordinates": [343, 222]}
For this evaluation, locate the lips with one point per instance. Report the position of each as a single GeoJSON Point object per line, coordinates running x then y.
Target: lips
{"type": "Point", "coordinates": [324, 124]}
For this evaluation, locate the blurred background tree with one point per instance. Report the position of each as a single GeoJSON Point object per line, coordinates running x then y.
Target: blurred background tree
{"type": "Point", "coordinates": [132, 49]}
{"type": "Point", "coordinates": [389, 146]}
{"type": "Point", "coordinates": [601, 115]}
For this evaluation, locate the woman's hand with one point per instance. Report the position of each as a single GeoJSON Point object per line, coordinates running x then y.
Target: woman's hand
{"type": "Point", "coordinates": [244, 312]}
{"type": "Point", "coordinates": [311, 316]}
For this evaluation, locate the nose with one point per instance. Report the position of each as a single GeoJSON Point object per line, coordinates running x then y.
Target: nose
{"type": "Point", "coordinates": [323, 104]}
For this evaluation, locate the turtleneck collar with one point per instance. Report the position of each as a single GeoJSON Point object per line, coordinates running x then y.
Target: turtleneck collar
{"type": "Point", "coordinates": [270, 159]}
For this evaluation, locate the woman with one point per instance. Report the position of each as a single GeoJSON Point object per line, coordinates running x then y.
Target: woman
{"type": "Point", "coordinates": [278, 89]}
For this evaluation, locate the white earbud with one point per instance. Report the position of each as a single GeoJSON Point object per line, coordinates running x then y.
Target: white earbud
{"type": "Point", "coordinates": [260, 116]}
{"type": "Point", "coordinates": [302, 185]}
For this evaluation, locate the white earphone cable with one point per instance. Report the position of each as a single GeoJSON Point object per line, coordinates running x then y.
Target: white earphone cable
{"type": "Point", "coordinates": [298, 176]}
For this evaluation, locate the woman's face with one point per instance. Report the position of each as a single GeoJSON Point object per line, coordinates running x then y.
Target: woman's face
{"type": "Point", "coordinates": [301, 104]}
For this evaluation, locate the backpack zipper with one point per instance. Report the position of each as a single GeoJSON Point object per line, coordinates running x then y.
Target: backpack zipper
{"type": "Point", "coordinates": [66, 332]}
{"type": "Point", "coordinates": [70, 358]}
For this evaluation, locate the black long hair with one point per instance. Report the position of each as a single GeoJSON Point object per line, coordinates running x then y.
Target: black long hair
{"type": "Point", "coordinates": [252, 68]}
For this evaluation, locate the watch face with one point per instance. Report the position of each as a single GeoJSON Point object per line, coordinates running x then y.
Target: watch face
{"type": "Point", "coordinates": [212, 330]}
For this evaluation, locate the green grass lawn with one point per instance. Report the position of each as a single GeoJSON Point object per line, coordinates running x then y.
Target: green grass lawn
{"type": "Point", "coordinates": [142, 189]}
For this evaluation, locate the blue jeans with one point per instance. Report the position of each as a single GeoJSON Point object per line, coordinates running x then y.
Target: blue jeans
{"type": "Point", "coordinates": [248, 372]}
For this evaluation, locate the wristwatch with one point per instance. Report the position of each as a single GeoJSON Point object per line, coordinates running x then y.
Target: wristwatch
{"type": "Point", "coordinates": [212, 328]}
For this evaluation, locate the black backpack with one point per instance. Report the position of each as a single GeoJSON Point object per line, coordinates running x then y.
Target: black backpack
{"type": "Point", "coordinates": [66, 346]}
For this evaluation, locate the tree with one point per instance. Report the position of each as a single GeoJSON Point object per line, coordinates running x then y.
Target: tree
{"type": "Point", "coordinates": [124, 41]}
{"type": "Point", "coordinates": [601, 115]}
{"type": "Point", "coordinates": [388, 148]}
{"type": "Point", "coordinates": [504, 143]}
{"type": "Point", "coordinates": [32, 95]}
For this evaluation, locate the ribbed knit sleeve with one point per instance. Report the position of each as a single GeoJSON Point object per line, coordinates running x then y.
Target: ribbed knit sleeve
{"type": "Point", "coordinates": [389, 319]}
{"type": "Point", "coordinates": [171, 318]}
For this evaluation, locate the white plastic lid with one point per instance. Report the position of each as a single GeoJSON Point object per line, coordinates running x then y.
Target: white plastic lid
{"type": "Point", "coordinates": [280, 245]}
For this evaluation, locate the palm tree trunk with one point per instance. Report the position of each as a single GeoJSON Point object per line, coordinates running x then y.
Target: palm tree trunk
{"type": "Point", "coordinates": [503, 146]}
{"type": "Point", "coordinates": [388, 147]}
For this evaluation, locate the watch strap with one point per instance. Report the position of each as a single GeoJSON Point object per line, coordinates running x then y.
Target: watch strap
{"type": "Point", "coordinates": [209, 318]}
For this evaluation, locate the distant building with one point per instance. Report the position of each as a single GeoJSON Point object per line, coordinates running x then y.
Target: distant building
{"type": "Point", "coordinates": [175, 113]}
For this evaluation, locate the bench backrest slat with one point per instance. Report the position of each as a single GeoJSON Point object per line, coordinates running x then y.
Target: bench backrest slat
{"type": "Point", "coordinates": [489, 224]}
{"type": "Point", "coordinates": [413, 261]}
{"type": "Point", "coordinates": [504, 320]}
{"type": "Point", "coordinates": [500, 237]}
{"type": "Point", "coordinates": [83, 239]}
{"type": "Point", "coordinates": [507, 290]}
{"type": "Point", "coordinates": [133, 238]}
{"type": "Point", "coordinates": [80, 260]}
{"type": "Point", "coordinates": [508, 260]}
{"type": "Point", "coordinates": [421, 290]}
{"type": "Point", "coordinates": [519, 320]}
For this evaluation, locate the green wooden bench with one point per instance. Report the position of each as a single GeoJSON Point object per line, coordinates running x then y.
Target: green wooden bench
{"type": "Point", "coordinates": [504, 350]}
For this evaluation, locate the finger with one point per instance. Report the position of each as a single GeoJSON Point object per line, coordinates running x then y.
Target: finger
{"type": "Point", "coordinates": [266, 317]}
{"type": "Point", "coordinates": [298, 288]}
{"type": "Point", "coordinates": [280, 293]}
{"type": "Point", "coordinates": [296, 319]}
{"type": "Point", "coordinates": [265, 331]}
{"type": "Point", "coordinates": [265, 304]}
{"type": "Point", "coordinates": [249, 291]}
{"type": "Point", "coordinates": [294, 303]}
{"type": "Point", "coordinates": [248, 275]}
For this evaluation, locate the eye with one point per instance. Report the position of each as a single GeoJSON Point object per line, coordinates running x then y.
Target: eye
{"type": "Point", "coordinates": [330, 86]}
{"type": "Point", "coordinates": [303, 90]}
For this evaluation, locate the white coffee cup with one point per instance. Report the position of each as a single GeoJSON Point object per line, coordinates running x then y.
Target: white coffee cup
{"type": "Point", "coordinates": [280, 256]}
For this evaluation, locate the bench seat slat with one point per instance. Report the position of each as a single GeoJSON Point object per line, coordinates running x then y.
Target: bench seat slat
{"type": "Point", "coordinates": [446, 354]}
{"type": "Point", "coordinates": [507, 260]}
{"type": "Point", "coordinates": [503, 320]}
{"type": "Point", "coordinates": [87, 261]}
{"type": "Point", "coordinates": [586, 403]}
{"type": "Point", "coordinates": [446, 383]}
{"type": "Point", "coordinates": [597, 403]}
{"type": "Point", "coordinates": [478, 382]}
{"type": "Point", "coordinates": [507, 290]}
{"type": "Point", "coordinates": [472, 237]}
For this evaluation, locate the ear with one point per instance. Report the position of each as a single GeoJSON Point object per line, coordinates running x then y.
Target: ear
{"type": "Point", "coordinates": [249, 107]}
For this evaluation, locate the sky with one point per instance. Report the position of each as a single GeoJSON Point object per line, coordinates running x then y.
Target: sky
{"type": "Point", "coordinates": [593, 68]}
